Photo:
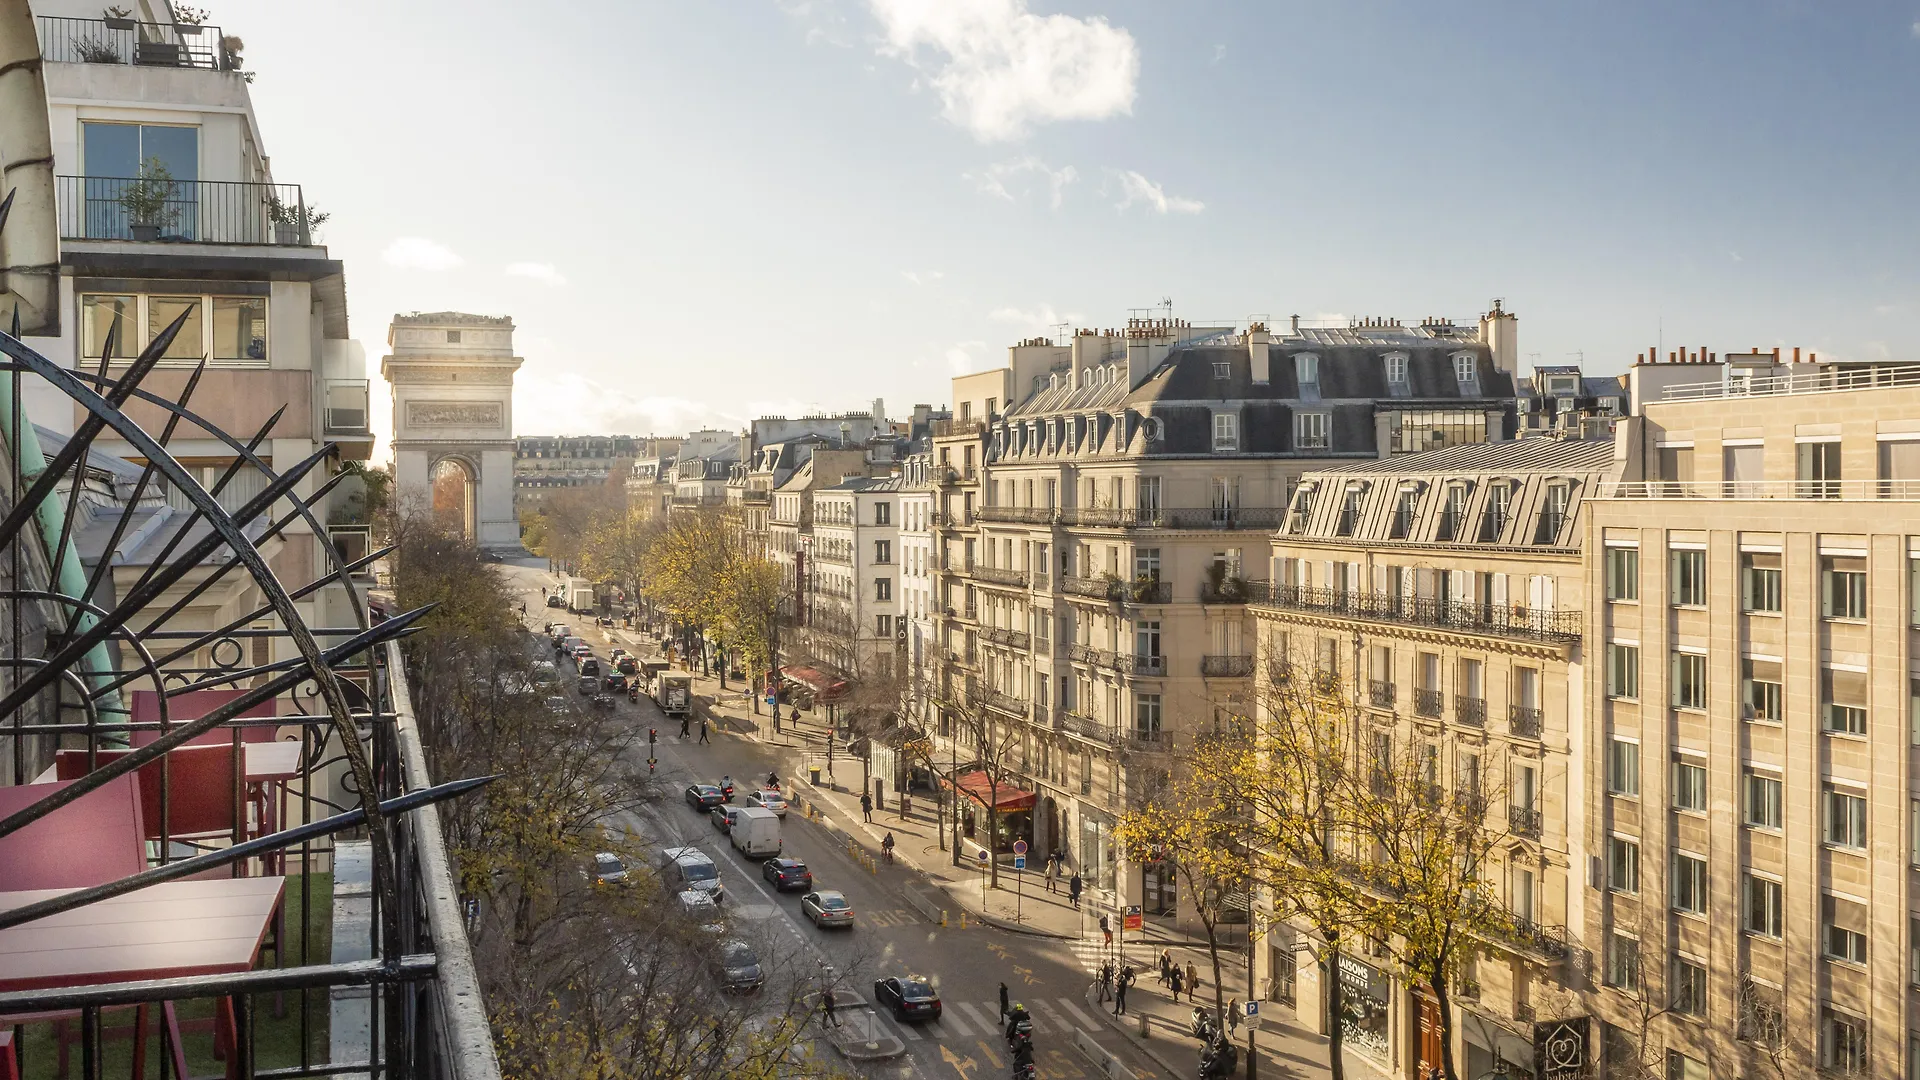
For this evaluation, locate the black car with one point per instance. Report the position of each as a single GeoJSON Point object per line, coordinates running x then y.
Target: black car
{"type": "Point", "coordinates": [615, 681]}
{"type": "Point", "coordinates": [590, 666]}
{"type": "Point", "coordinates": [787, 873]}
{"type": "Point", "coordinates": [554, 601]}
{"type": "Point", "coordinates": [588, 686]}
{"type": "Point", "coordinates": [704, 796]}
{"type": "Point", "coordinates": [909, 998]}
{"type": "Point", "coordinates": [740, 967]}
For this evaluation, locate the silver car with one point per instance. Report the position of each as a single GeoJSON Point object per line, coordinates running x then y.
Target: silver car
{"type": "Point", "coordinates": [828, 907]}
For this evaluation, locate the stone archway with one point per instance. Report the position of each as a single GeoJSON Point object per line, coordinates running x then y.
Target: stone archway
{"type": "Point", "coordinates": [452, 379]}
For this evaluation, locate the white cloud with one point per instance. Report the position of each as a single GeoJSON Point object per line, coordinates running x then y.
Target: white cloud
{"type": "Point", "coordinates": [922, 277]}
{"type": "Point", "coordinates": [1011, 180]}
{"type": "Point", "coordinates": [565, 402]}
{"type": "Point", "coordinates": [420, 253]}
{"type": "Point", "coordinates": [1219, 53]}
{"type": "Point", "coordinates": [1135, 188]}
{"type": "Point", "coordinates": [1044, 315]}
{"type": "Point", "coordinates": [541, 272]}
{"type": "Point", "coordinates": [823, 19]}
{"type": "Point", "coordinates": [1915, 28]}
{"type": "Point", "coordinates": [960, 359]}
{"type": "Point", "coordinates": [1000, 69]}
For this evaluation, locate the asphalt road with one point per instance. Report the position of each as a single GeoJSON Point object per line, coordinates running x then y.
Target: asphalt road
{"type": "Point", "coordinates": [889, 937]}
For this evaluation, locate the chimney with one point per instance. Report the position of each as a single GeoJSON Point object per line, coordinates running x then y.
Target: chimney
{"type": "Point", "coordinates": [1500, 332]}
{"type": "Point", "coordinates": [1257, 342]}
{"type": "Point", "coordinates": [1796, 354]}
{"type": "Point", "coordinates": [1296, 325]}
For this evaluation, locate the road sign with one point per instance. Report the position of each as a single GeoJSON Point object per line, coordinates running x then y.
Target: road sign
{"type": "Point", "coordinates": [1132, 920]}
{"type": "Point", "coordinates": [1019, 847]}
{"type": "Point", "coordinates": [1019, 862]}
{"type": "Point", "coordinates": [773, 699]}
{"type": "Point", "coordinates": [1253, 1009]}
{"type": "Point", "coordinates": [981, 855]}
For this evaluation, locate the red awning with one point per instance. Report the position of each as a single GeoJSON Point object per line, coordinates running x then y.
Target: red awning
{"type": "Point", "coordinates": [826, 687]}
{"type": "Point", "coordinates": [1005, 797]}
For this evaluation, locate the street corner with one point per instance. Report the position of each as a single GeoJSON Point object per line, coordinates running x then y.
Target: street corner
{"type": "Point", "coordinates": [861, 1036]}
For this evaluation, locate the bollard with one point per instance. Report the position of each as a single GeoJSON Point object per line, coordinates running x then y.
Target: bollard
{"type": "Point", "coordinates": [963, 918]}
{"type": "Point", "coordinates": [943, 916]}
{"type": "Point", "coordinates": [1145, 1018]}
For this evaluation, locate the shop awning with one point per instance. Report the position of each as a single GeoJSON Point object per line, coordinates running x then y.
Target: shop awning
{"type": "Point", "coordinates": [1006, 797]}
{"type": "Point", "coordinates": [825, 687]}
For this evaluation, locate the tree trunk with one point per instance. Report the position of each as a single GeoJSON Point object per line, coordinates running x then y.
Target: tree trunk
{"type": "Point", "coordinates": [1443, 1002]}
{"type": "Point", "coordinates": [993, 833]}
{"type": "Point", "coordinates": [1336, 1032]}
{"type": "Point", "coordinates": [1213, 952]}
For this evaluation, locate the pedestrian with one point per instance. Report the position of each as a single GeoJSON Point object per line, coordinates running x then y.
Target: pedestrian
{"type": "Point", "coordinates": [1053, 873]}
{"type": "Point", "coordinates": [703, 729]}
{"type": "Point", "coordinates": [1120, 991]}
{"type": "Point", "coordinates": [1003, 1003]}
{"type": "Point", "coordinates": [1177, 976]}
{"type": "Point", "coordinates": [1106, 929]}
{"type": "Point", "coordinates": [684, 721]}
{"type": "Point", "coordinates": [1073, 890]}
{"type": "Point", "coordinates": [866, 807]}
{"type": "Point", "coordinates": [826, 1006]}
{"type": "Point", "coordinates": [1193, 981]}
{"type": "Point", "coordinates": [1106, 982]}
{"type": "Point", "coordinates": [794, 715]}
{"type": "Point", "coordinates": [1166, 966]}
{"type": "Point", "coordinates": [1233, 1016]}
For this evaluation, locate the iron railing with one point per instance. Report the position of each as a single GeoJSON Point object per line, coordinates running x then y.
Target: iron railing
{"type": "Point", "coordinates": [998, 575]}
{"type": "Point", "coordinates": [1097, 588]}
{"type": "Point", "coordinates": [1086, 727]}
{"type": "Point", "coordinates": [1380, 693]}
{"type": "Point", "coordinates": [1471, 711]}
{"type": "Point", "coordinates": [1143, 665]}
{"type": "Point", "coordinates": [1822, 381]}
{"type": "Point", "coordinates": [1226, 591]}
{"type": "Point", "coordinates": [1198, 517]}
{"type": "Point", "coordinates": [1005, 703]}
{"type": "Point", "coordinates": [1226, 667]}
{"type": "Point", "coordinates": [182, 211]}
{"type": "Point", "coordinates": [1764, 490]}
{"type": "Point", "coordinates": [1506, 620]}
{"type": "Point", "coordinates": [1426, 702]}
{"type": "Point", "coordinates": [702, 500]}
{"type": "Point", "coordinates": [124, 41]}
{"type": "Point", "coordinates": [1018, 515]}
{"type": "Point", "coordinates": [1523, 821]}
{"type": "Point", "coordinates": [1524, 721]}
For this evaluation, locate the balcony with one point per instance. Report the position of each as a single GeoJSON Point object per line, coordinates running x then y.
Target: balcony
{"type": "Point", "coordinates": [947, 428]}
{"type": "Point", "coordinates": [1226, 667]}
{"type": "Point", "coordinates": [183, 211]}
{"type": "Point", "coordinates": [1537, 938]}
{"type": "Point", "coordinates": [1427, 702]}
{"type": "Point", "coordinates": [1380, 693]}
{"type": "Point", "coordinates": [1764, 490]}
{"type": "Point", "coordinates": [1524, 721]}
{"type": "Point", "coordinates": [1018, 515]}
{"type": "Point", "coordinates": [829, 555]}
{"type": "Point", "coordinates": [1090, 656]}
{"type": "Point", "coordinates": [347, 408]}
{"type": "Point", "coordinates": [1150, 740]}
{"type": "Point", "coordinates": [1523, 821]}
{"type": "Point", "coordinates": [1016, 639]}
{"type": "Point", "coordinates": [1012, 706]}
{"type": "Point", "coordinates": [996, 575]}
{"type": "Point", "coordinates": [702, 500]}
{"type": "Point", "coordinates": [756, 496]}
{"type": "Point", "coordinates": [124, 41]}
{"type": "Point", "coordinates": [1225, 591]}
{"type": "Point", "coordinates": [1505, 620]}
{"type": "Point", "coordinates": [1203, 517]}
{"type": "Point", "coordinates": [1471, 711]}
{"type": "Point", "coordinates": [1086, 727]}
{"type": "Point", "coordinates": [1151, 666]}
{"type": "Point", "coordinates": [1824, 380]}
{"type": "Point", "coordinates": [1097, 588]}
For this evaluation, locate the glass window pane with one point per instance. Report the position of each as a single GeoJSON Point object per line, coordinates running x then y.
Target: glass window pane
{"type": "Point", "coordinates": [178, 148]}
{"type": "Point", "coordinates": [240, 328]}
{"type": "Point", "coordinates": [98, 315]}
{"type": "Point", "coordinates": [162, 310]}
{"type": "Point", "coordinates": [110, 149]}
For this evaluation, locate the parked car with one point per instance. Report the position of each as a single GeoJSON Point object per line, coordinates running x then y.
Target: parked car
{"type": "Point", "coordinates": [627, 665]}
{"type": "Point", "coordinates": [828, 907]}
{"type": "Point", "coordinates": [587, 686]}
{"type": "Point", "coordinates": [909, 998]}
{"type": "Point", "coordinates": [557, 705]}
{"type": "Point", "coordinates": [723, 817]}
{"type": "Point", "coordinates": [614, 681]}
{"type": "Point", "coordinates": [768, 799]}
{"type": "Point", "coordinates": [787, 873]}
{"type": "Point", "coordinates": [701, 908]}
{"type": "Point", "coordinates": [704, 796]}
{"type": "Point", "coordinates": [684, 868]}
{"type": "Point", "coordinates": [740, 970]}
{"type": "Point", "coordinates": [554, 601]}
{"type": "Point", "coordinates": [754, 832]}
{"type": "Point", "coordinates": [608, 869]}
{"type": "Point", "coordinates": [590, 665]}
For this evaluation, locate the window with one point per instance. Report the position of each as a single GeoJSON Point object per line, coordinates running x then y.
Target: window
{"type": "Point", "coordinates": [883, 625]}
{"type": "Point", "coordinates": [1846, 818]}
{"type": "Point", "coordinates": [1226, 431]}
{"type": "Point", "coordinates": [883, 551]}
{"type": "Point", "coordinates": [882, 513]}
{"type": "Point", "coordinates": [1146, 563]}
{"type": "Point", "coordinates": [1623, 671]}
{"type": "Point", "coordinates": [1913, 831]}
{"type": "Point", "coordinates": [189, 344]}
{"type": "Point", "coordinates": [1760, 699]}
{"type": "Point", "coordinates": [1493, 522]}
{"type": "Point", "coordinates": [1455, 511]}
{"type": "Point", "coordinates": [1306, 370]}
{"type": "Point", "coordinates": [1623, 865]}
{"type": "Point", "coordinates": [1843, 701]}
{"type": "Point", "coordinates": [1760, 581]}
{"type": "Point", "coordinates": [113, 156]}
{"type": "Point", "coordinates": [1689, 786]}
{"type": "Point", "coordinates": [1396, 370]}
{"type": "Point", "coordinates": [1689, 578]}
{"type": "Point", "coordinates": [1818, 468]}
{"type": "Point", "coordinates": [1843, 587]}
{"type": "Point", "coordinates": [1623, 767]}
{"type": "Point", "coordinates": [1146, 638]}
{"type": "Point", "coordinates": [1222, 370]}
{"type": "Point", "coordinates": [1843, 1042]}
{"type": "Point", "coordinates": [1689, 681]}
{"type": "Point", "coordinates": [883, 588]}
{"type": "Point", "coordinates": [1146, 717]}
{"type": "Point", "coordinates": [1623, 574]}
{"type": "Point", "coordinates": [1466, 370]}
{"type": "Point", "coordinates": [100, 315]}
{"type": "Point", "coordinates": [1553, 518]}
{"type": "Point", "coordinates": [1837, 936]}
{"type": "Point", "coordinates": [1405, 505]}
{"type": "Point", "coordinates": [1679, 1065]}
{"type": "Point", "coordinates": [1763, 800]}
{"type": "Point", "coordinates": [1689, 884]}
{"type": "Point", "coordinates": [1762, 910]}
{"type": "Point", "coordinates": [239, 328]}
{"type": "Point", "coordinates": [1310, 430]}
{"type": "Point", "coordinates": [1623, 962]}
{"type": "Point", "coordinates": [1350, 511]}
{"type": "Point", "coordinates": [1688, 987]}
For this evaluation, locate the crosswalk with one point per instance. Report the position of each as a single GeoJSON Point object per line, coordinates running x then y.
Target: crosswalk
{"type": "Point", "coordinates": [967, 1020]}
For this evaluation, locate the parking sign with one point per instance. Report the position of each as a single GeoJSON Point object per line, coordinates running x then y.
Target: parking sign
{"type": "Point", "coordinates": [1019, 862]}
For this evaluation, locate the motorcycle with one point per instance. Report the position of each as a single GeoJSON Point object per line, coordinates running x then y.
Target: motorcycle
{"type": "Point", "coordinates": [1020, 1034]}
{"type": "Point", "coordinates": [1219, 1059]}
{"type": "Point", "coordinates": [1202, 1027]}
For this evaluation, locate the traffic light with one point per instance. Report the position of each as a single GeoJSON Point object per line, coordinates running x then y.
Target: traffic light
{"type": "Point", "coordinates": [653, 736]}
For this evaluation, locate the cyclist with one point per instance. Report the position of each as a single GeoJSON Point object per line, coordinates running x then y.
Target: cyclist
{"type": "Point", "coordinates": [886, 847]}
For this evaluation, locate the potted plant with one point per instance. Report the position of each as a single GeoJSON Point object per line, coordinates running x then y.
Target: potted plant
{"type": "Point", "coordinates": [117, 18]}
{"type": "Point", "coordinates": [147, 200]}
{"type": "Point", "coordinates": [293, 223]}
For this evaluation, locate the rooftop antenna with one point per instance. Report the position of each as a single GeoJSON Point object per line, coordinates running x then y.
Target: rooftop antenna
{"type": "Point", "coordinates": [1060, 333]}
{"type": "Point", "coordinates": [1579, 356]}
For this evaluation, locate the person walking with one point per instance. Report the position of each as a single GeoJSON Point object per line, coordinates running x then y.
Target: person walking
{"type": "Point", "coordinates": [703, 729]}
{"type": "Point", "coordinates": [1053, 872]}
{"type": "Point", "coordinates": [684, 721]}
{"type": "Point", "coordinates": [866, 807]}
{"type": "Point", "coordinates": [1073, 890]}
{"type": "Point", "coordinates": [1106, 982]}
{"type": "Point", "coordinates": [1177, 977]}
{"type": "Point", "coordinates": [1106, 929]}
{"type": "Point", "coordinates": [1003, 1003]}
{"type": "Point", "coordinates": [828, 1017]}
{"type": "Point", "coordinates": [1233, 1016]}
{"type": "Point", "coordinates": [1193, 981]}
{"type": "Point", "coordinates": [1166, 966]}
{"type": "Point", "coordinates": [1120, 991]}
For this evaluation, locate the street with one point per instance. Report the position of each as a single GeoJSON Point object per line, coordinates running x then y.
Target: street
{"type": "Point", "coordinates": [966, 966]}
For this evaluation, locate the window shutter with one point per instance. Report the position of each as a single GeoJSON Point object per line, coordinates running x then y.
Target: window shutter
{"type": "Point", "coordinates": [1846, 687]}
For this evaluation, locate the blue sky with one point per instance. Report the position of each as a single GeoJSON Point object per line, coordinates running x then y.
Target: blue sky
{"type": "Point", "coordinates": [699, 212]}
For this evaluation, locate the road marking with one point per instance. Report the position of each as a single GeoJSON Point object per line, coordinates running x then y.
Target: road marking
{"type": "Point", "coordinates": [1059, 1064]}
{"type": "Point", "coordinates": [1053, 1015]}
{"type": "Point", "coordinates": [979, 1016]}
{"type": "Point", "coordinates": [905, 1030]}
{"type": "Point", "coordinates": [961, 1064]}
{"type": "Point", "coordinates": [988, 1052]}
{"type": "Point", "coordinates": [959, 1026]}
{"type": "Point", "coordinates": [1025, 974]}
{"type": "Point", "coordinates": [1086, 1021]}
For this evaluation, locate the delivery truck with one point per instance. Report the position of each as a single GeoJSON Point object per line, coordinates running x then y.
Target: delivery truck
{"type": "Point", "coordinates": [673, 693]}
{"type": "Point", "coordinates": [755, 832]}
{"type": "Point", "coordinates": [580, 596]}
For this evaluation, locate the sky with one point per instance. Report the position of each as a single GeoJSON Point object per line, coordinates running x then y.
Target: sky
{"type": "Point", "coordinates": [702, 212]}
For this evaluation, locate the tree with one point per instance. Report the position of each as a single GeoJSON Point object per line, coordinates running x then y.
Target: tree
{"type": "Point", "coordinates": [994, 743]}
{"type": "Point", "coordinates": [1205, 832]}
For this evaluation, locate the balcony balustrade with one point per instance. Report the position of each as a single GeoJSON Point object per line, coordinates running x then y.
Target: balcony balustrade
{"type": "Point", "coordinates": [1005, 703]}
{"type": "Point", "coordinates": [1524, 721]}
{"type": "Point", "coordinates": [1019, 515]}
{"type": "Point", "coordinates": [1086, 727]}
{"type": "Point", "coordinates": [142, 44]}
{"type": "Point", "coordinates": [1380, 693]}
{"type": "Point", "coordinates": [347, 408]}
{"type": "Point", "coordinates": [1427, 702]}
{"type": "Point", "coordinates": [1523, 821]}
{"type": "Point", "coordinates": [1226, 667]}
{"type": "Point", "coordinates": [182, 211]}
{"type": "Point", "coordinates": [1202, 517]}
{"type": "Point", "coordinates": [1471, 711]}
{"type": "Point", "coordinates": [1153, 666]}
{"type": "Point", "coordinates": [1226, 591]}
{"type": "Point", "coordinates": [1506, 620]}
{"type": "Point", "coordinates": [996, 575]}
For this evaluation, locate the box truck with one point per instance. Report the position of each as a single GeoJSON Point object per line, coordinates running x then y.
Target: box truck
{"type": "Point", "coordinates": [755, 832]}
{"type": "Point", "coordinates": [673, 693]}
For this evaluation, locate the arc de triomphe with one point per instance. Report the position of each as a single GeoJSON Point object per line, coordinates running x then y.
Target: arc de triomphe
{"type": "Point", "coordinates": [452, 381]}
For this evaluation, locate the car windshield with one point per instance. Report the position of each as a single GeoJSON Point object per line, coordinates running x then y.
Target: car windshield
{"type": "Point", "coordinates": [738, 955]}
{"type": "Point", "coordinates": [833, 903]}
{"type": "Point", "coordinates": [608, 864]}
{"type": "Point", "coordinates": [697, 871]}
{"type": "Point", "coordinates": [916, 990]}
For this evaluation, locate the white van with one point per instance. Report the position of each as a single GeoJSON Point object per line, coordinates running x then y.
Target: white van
{"type": "Point", "coordinates": [755, 832]}
{"type": "Point", "coordinates": [683, 868]}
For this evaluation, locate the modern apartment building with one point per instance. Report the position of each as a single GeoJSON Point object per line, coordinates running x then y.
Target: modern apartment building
{"type": "Point", "coordinates": [1442, 593]}
{"type": "Point", "coordinates": [1101, 500]}
{"type": "Point", "coordinates": [853, 592]}
{"type": "Point", "coordinates": [1751, 801]}
{"type": "Point", "coordinates": [543, 464]}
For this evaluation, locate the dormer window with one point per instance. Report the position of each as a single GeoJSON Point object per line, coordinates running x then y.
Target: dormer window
{"type": "Point", "coordinates": [1553, 516]}
{"type": "Point", "coordinates": [1350, 510]}
{"type": "Point", "coordinates": [1302, 511]}
{"type": "Point", "coordinates": [1466, 372]}
{"type": "Point", "coordinates": [1406, 505]}
{"type": "Point", "coordinates": [1493, 521]}
{"type": "Point", "coordinates": [1396, 364]}
{"type": "Point", "coordinates": [1306, 372]}
{"type": "Point", "coordinates": [1222, 370]}
{"type": "Point", "coordinates": [1454, 514]}
{"type": "Point", "coordinates": [1226, 431]}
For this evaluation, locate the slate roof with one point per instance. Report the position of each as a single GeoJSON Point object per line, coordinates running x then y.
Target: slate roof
{"type": "Point", "coordinates": [1514, 456]}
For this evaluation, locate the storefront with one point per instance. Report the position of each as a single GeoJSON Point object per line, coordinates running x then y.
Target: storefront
{"type": "Point", "coordinates": [1098, 858]}
{"type": "Point", "coordinates": [1013, 815]}
{"type": "Point", "coordinates": [1366, 1009]}
{"type": "Point", "coordinates": [1492, 1046]}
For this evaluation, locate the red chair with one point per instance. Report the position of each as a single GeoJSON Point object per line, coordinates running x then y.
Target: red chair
{"type": "Point", "coordinates": [92, 840]}
{"type": "Point", "coordinates": [206, 797]}
{"type": "Point", "coordinates": [192, 705]}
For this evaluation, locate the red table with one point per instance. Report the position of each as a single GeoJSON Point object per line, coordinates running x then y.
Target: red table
{"type": "Point", "coordinates": [200, 927]}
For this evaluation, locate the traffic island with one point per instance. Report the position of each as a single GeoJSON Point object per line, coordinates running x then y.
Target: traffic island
{"type": "Point", "coordinates": [859, 1036]}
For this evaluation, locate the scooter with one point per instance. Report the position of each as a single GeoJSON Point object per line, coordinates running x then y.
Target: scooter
{"type": "Point", "coordinates": [1202, 1027]}
{"type": "Point", "coordinates": [1020, 1034]}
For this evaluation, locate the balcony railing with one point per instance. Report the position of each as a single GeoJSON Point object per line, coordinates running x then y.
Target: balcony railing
{"type": "Point", "coordinates": [1098, 588]}
{"type": "Point", "coordinates": [347, 408]}
{"type": "Point", "coordinates": [1524, 721]}
{"type": "Point", "coordinates": [182, 211]}
{"type": "Point", "coordinates": [999, 635]}
{"type": "Point", "coordinates": [1764, 490]}
{"type": "Point", "coordinates": [1150, 739]}
{"type": "Point", "coordinates": [1226, 667]}
{"type": "Point", "coordinates": [1153, 666]}
{"type": "Point", "coordinates": [1380, 693]}
{"type": "Point", "coordinates": [1426, 702]}
{"type": "Point", "coordinates": [1019, 515]}
{"type": "Point", "coordinates": [756, 496]}
{"type": "Point", "coordinates": [1005, 703]}
{"type": "Point", "coordinates": [124, 41]}
{"type": "Point", "coordinates": [1226, 591]}
{"type": "Point", "coordinates": [1523, 821]}
{"type": "Point", "coordinates": [1471, 711]}
{"type": "Point", "coordinates": [998, 575]}
{"type": "Point", "coordinates": [1087, 727]}
{"type": "Point", "coordinates": [1822, 381]}
{"type": "Point", "coordinates": [1507, 620]}
{"type": "Point", "coordinates": [704, 500]}
{"type": "Point", "coordinates": [944, 428]}
{"type": "Point", "coordinates": [1538, 938]}
{"type": "Point", "coordinates": [829, 555]}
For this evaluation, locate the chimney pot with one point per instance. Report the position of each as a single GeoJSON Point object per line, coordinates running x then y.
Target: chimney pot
{"type": "Point", "coordinates": [1796, 354]}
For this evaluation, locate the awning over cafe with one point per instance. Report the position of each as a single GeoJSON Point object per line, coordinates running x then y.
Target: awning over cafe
{"type": "Point", "coordinates": [1005, 798]}
{"type": "Point", "coordinates": [825, 687]}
